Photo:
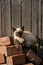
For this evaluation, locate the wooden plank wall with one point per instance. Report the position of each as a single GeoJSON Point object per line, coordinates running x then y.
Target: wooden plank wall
{"type": "Point", "coordinates": [32, 16]}
{"type": "Point", "coordinates": [5, 18]}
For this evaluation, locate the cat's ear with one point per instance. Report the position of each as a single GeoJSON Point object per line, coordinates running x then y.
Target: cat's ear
{"type": "Point", "coordinates": [13, 29]}
{"type": "Point", "coordinates": [22, 28]}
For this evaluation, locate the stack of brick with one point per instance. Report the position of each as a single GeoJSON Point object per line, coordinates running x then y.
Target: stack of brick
{"type": "Point", "coordinates": [11, 54]}
{"type": "Point", "coordinates": [34, 58]}
{"type": "Point", "coordinates": [4, 41]}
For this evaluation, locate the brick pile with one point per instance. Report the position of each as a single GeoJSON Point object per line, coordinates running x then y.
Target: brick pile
{"type": "Point", "coordinates": [13, 54]}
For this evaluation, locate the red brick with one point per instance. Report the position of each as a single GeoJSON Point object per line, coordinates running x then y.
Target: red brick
{"type": "Point", "coordinates": [33, 57]}
{"type": "Point", "coordinates": [16, 59]}
{"type": "Point", "coordinates": [2, 58]}
{"type": "Point", "coordinates": [11, 50]}
{"type": "Point", "coordinates": [6, 64]}
{"type": "Point", "coordinates": [3, 64]}
{"type": "Point", "coordinates": [5, 41]}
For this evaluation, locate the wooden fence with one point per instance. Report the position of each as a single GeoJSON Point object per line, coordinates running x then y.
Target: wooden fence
{"type": "Point", "coordinates": [14, 13]}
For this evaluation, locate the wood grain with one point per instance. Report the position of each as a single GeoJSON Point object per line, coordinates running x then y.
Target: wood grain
{"type": "Point", "coordinates": [26, 14]}
{"type": "Point", "coordinates": [32, 16]}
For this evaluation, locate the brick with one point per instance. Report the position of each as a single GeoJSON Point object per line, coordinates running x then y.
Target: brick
{"type": "Point", "coordinates": [16, 59]}
{"type": "Point", "coordinates": [2, 58]}
{"type": "Point", "coordinates": [33, 57]}
{"type": "Point", "coordinates": [29, 64]}
{"type": "Point", "coordinates": [11, 50]}
{"type": "Point", "coordinates": [5, 41]}
{"type": "Point", "coordinates": [3, 64]}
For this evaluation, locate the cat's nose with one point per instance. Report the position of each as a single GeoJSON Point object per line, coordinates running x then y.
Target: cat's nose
{"type": "Point", "coordinates": [20, 33]}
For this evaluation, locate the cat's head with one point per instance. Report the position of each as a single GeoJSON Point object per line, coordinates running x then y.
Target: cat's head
{"type": "Point", "coordinates": [18, 31]}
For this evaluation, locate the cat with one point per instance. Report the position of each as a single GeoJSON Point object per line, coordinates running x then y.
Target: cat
{"type": "Point", "coordinates": [25, 37]}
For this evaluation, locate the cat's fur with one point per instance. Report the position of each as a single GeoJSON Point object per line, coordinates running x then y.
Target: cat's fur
{"type": "Point", "coordinates": [20, 35]}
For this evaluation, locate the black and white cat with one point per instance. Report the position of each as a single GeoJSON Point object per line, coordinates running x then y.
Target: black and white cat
{"type": "Point", "coordinates": [20, 35]}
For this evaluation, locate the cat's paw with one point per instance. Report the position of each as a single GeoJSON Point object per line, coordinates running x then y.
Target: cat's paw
{"type": "Point", "coordinates": [21, 40]}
